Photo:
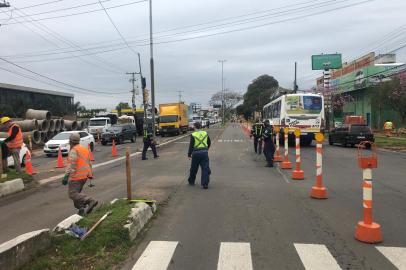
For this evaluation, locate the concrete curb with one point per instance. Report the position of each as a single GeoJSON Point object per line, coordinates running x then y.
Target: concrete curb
{"type": "Point", "coordinates": [20, 250]}
{"type": "Point", "coordinates": [140, 214]}
{"type": "Point", "coordinates": [66, 223]}
{"type": "Point", "coordinates": [11, 186]}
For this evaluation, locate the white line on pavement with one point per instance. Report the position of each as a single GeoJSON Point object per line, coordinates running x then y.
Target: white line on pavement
{"type": "Point", "coordinates": [396, 255]}
{"type": "Point", "coordinates": [56, 177]}
{"type": "Point", "coordinates": [156, 256]}
{"type": "Point", "coordinates": [235, 256]}
{"type": "Point", "coordinates": [280, 172]}
{"type": "Point", "coordinates": [316, 257]}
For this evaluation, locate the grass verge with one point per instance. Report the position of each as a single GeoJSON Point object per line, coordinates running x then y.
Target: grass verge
{"type": "Point", "coordinates": [12, 174]}
{"type": "Point", "coordinates": [107, 246]}
{"type": "Point", "coordinates": [390, 142]}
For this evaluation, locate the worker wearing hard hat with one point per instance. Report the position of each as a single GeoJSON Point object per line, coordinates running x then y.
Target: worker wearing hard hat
{"type": "Point", "coordinates": [14, 142]}
{"type": "Point", "coordinates": [76, 175]}
{"type": "Point", "coordinates": [388, 127]}
{"type": "Point", "coordinates": [269, 147]}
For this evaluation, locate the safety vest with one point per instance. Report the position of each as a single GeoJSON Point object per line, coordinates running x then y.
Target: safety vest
{"type": "Point", "coordinates": [82, 169]}
{"type": "Point", "coordinates": [201, 139]}
{"type": "Point", "coordinates": [388, 125]}
{"type": "Point", "coordinates": [258, 129]}
{"type": "Point", "coordinates": [18, 140]}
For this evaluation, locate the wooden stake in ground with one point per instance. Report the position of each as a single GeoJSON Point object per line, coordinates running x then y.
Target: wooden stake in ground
{"type": "Point", "coordinates": [95, 225]}
{"type": "Point", "coordinates": [1, 163]}
{"type": "Point", "coordinates": [128, 172]}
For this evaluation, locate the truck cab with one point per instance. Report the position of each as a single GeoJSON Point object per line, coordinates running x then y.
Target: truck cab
{"type": "Point", "coordinates": [173, 118]}
{"type": "Point", "coordinates": [98, 125]}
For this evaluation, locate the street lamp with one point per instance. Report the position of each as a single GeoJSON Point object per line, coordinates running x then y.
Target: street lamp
{"type": "Point", "coordinates": [222, 90]}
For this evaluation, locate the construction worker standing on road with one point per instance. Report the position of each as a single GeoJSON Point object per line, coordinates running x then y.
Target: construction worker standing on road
{"type": "Point", "coordinates": [269, 147]}
{"type": "Point", "coordinates": [388, 128]}
{"type": "Point", "coordinates": [257, 131]}
{"type": "Point", "coordinates": [199, 154]}
{"type": "Point", "coordinates": [148, 142]}
{"type": "Point", "coordinates": [14, 142]}
{"type": "Point", "coordinates": [76, 175]}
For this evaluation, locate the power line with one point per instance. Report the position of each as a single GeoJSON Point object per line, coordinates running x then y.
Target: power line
{"type": "Point", "coordinates": [84, 12]}
{"type": "Point", "coordinates": [60, 82]}
{"type": "Point", "coordinates": [36, 5]}
{"type": "Point", "coordinates": [118, 31]}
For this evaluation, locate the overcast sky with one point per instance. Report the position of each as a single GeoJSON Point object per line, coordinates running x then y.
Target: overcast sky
{"type": "Point", "coordinates": [263, 37]}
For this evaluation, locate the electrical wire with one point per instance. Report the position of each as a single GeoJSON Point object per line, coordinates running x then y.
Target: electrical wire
{"type": "Point", "coordinates": [61, 82]}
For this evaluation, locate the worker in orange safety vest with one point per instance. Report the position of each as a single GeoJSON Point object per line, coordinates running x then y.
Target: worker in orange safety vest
{"type": "Point", "coordinates": [76, 175]}
{"type": "Point", "coordinates": [14, 142]}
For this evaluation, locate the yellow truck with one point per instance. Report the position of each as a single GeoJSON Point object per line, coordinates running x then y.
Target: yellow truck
{"type": "Point", "coordinates": [173, 118]}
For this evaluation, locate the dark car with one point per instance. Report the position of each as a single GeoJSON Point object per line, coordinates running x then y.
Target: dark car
{"type": "Point", "coordinates": [119, 133]}
{"type": "Point", "coordinates": [350, 135]}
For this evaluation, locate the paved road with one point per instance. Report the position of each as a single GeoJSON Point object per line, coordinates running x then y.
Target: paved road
{"type": "Point", "coordinates": [253, 217]}
{"type": "Point", "coordinates": [45, 205]}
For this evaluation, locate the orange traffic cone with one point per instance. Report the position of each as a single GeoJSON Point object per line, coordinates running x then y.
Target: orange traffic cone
{"type": "Point", "coordinates": [90, 153]}
{"type": "Point", "coordinates": [28, 165]}
{"type": "Point", "coordinates": [114, 149]}
{"type": "Point", "coordinates": [59, 163]}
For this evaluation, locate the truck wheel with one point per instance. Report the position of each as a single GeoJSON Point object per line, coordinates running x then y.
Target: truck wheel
{"type": "Point", "coordinates": [104, 143]}
{"type": "Point", "coordinates": [330, 142]}
{"type": "Point", "coordinates": [133, 138]}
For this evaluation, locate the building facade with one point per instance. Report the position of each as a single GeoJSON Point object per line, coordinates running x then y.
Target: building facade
{"type": "Point", "coordinates": [15, 100]}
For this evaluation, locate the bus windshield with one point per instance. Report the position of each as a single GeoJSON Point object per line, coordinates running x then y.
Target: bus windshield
{"type": "Point", "coordinates": [303, 104]}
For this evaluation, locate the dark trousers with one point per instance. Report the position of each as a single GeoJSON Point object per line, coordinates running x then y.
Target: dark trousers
{"type": "Point", "coordinates": [269, 151]}
{"type": "Point", "coordinates": [200, 158]}
{"type": "Point", "coordinates": [79, 199]}
{"type": "Point", "coordinates": [146, 145]}
{"type": "Point", "coordinates": [257, 145]}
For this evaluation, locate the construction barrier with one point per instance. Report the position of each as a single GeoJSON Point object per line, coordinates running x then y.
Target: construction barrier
{"type": "Point", "coordinates": [286, 164]}
{"type": "Point", "coordinates": [298, 173]}
{"type": "Point", "coordinates": [277, 156]}
{"type": "Point", "coordinates": [59, 162]}
{"type": "Point", "coordinates": [319, 191]}
{"type": "Point", "coordinates": [367, 231]}
{"type": "Point", "coordinates": [114, 149]}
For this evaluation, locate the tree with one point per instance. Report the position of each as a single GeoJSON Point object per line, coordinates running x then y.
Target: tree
{"type": "Point", "coordinates": [258, 94]}
{"type": "Point", "coordinates": [339, 100]}
{"type": "Point", "coordinates": [390, 95]}
{"type": "Point", "coordinates": [231, 99]}
{"type": "Point", "coordinates": [121, 106]}
{"type": "Point", "coordinates": [78, 108]}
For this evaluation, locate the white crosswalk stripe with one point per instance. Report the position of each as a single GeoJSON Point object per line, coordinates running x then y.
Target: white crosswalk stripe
{"type": "Point", "coordinates": [316, 257]}
{"type": "Point", "coordinates": [156, 256]}
{"type": "Point", "coordinates": [235, 256]}
{"type": "Point", "coordinates": [396, 255]}
{"type": "Point", "coordinates": [229, 140]}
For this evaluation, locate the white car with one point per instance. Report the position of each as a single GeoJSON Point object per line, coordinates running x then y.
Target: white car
{"type": "Point", "coordinates": [62, 140]}
{"type": "Point", "coordinates": [23, 152]}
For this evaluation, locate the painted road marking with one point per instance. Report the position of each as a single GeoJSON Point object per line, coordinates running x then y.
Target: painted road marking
{"type": "Point", "coordinates": [58, 177]}
{"type": "Point", "coordinates": [229, 140]}
{"type": "Point", "coordinates": [316, 257]}
{"type": "Point", "coordinates": [156, 256]}
{"type": "Point", "coordinates": [235, 256]}
{"type": "Point", "coordinates": [396, 255]}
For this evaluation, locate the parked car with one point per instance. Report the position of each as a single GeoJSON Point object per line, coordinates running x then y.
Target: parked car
{"type": "Point", "coordinates": [62, 140]}
{"type": "Point", "coordinates": [191, 125]}
{"type": "Point", "coordinates": [119, 133]}
{"type": "Point", "coordinates": [350, 135]}
{"type": "Point", "coordinates": [23, 152]}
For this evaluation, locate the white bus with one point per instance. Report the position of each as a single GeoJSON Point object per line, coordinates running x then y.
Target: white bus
{"type": "Point", "coordinates": [303, 111]}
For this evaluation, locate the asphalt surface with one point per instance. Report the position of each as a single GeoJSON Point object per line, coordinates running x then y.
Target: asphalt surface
{"type": "Point", "coordinates": [45, 205]}
{"type": "Point", "coordinates": [253, 217]}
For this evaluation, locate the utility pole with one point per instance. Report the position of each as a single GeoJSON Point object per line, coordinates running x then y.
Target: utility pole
{"type": "Point", "coordinates": [151, 47]}
{"type": "Point", "coordinates": [143, 86]}
{"type": "Point", "coordinates": [132, 80]}
{"type": "Point", "coordinates": [180, 96]}
{"type": "Point", "coordinates": [222, 90]}
{"type": "Point", "coordinates": [4, 4]}
{"type": "Point", "coordinates": [295, 87]}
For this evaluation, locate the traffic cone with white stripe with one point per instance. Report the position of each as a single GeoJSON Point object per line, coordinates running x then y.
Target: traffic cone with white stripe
{"type": "Point", "coordinates": [114, 149]}
{"type": "Point", "coordinates": [90, 153]}
{"type": "Point", "coordinates": [286, 164]}
{"type": "Point", "coordinates": [367, 231]}
{"type": "Point", "coordinates": [298, 173]}
{"type": "Point", "coordinates": [277, 157]}
{"type": "Point", "coordinates": [319, 191]}
{"type": "Point", "coordinates": [28, 165]}
{"type": "Point", "coordinates": [59, 162]}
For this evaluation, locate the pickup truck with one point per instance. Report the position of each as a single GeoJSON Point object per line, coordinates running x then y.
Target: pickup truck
{"type": "Point", "coordinates": [350, 135]}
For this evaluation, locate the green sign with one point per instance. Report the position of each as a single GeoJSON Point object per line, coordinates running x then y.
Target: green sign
{"type": "Point", "coordinates": [326, 61]}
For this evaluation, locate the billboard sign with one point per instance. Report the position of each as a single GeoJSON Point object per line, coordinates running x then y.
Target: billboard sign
{"type": "Point", "coordinates": [326, 61]}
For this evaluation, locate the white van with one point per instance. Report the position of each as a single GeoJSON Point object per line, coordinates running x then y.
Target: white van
{"type": "Point", "coordinates": [98, 125]}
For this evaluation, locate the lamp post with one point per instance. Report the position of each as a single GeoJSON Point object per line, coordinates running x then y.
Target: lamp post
{"type": "Point", "coordinates": [222, 91]}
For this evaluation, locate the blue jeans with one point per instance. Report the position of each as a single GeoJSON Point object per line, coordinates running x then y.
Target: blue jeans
{"type": "Point", "coordinates": [200, 158]}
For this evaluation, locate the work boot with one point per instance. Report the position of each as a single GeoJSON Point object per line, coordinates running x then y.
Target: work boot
{"type": "Point", "coordinates": [144, 158]}
{"type": "Point", "coordinates": [92, 204]}
{"type": "Point", "coordinates": [156, 156]}
{"type": "Point", "coordinates": [81, 212]}
{"type": "Point", "coordinates": [205, 187]}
